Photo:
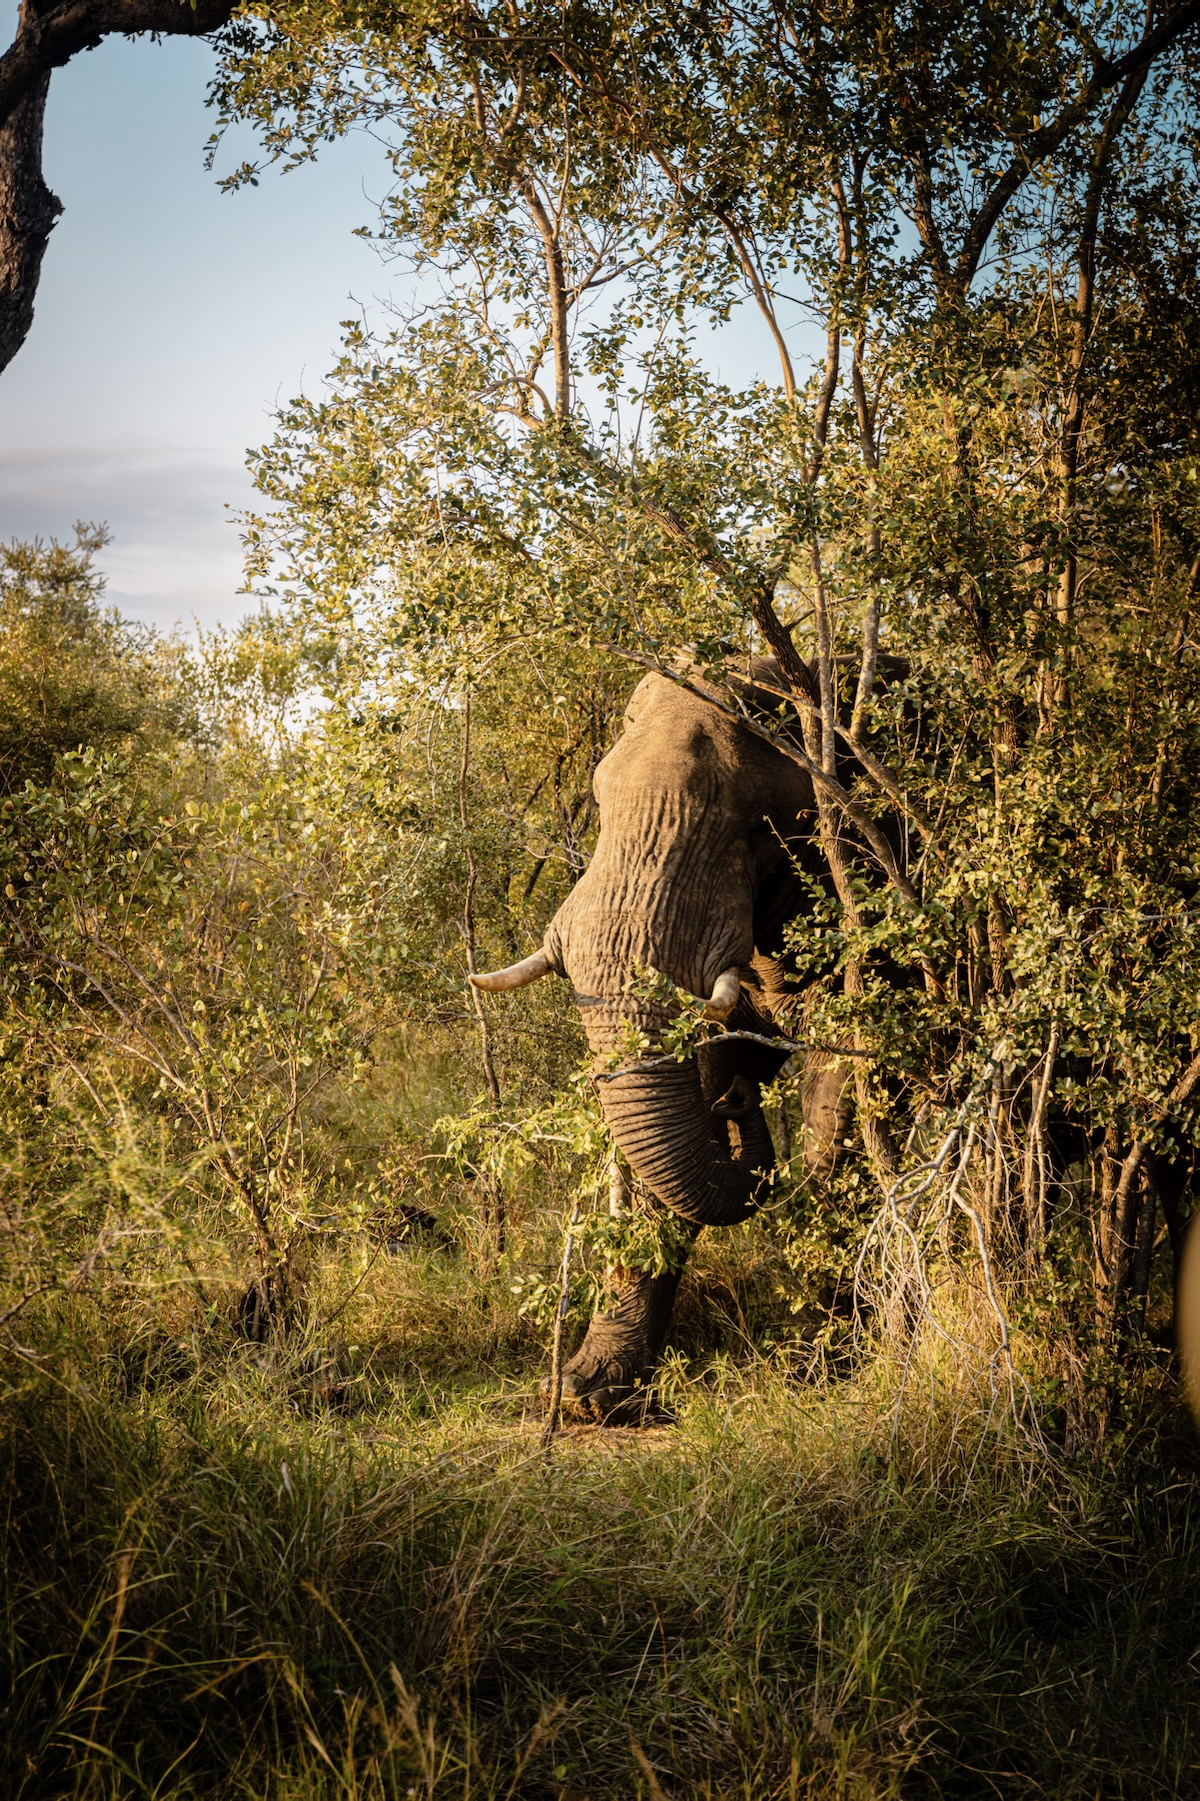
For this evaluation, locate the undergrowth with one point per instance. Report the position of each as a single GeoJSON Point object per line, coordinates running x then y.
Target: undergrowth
{"type": "Point", "coordinates": [342, 1565]}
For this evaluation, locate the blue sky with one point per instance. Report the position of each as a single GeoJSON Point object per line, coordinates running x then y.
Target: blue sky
{"type": "Point", "coordinates": [172, 319]}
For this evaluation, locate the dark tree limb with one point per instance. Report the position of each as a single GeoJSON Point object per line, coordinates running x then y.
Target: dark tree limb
{"type": "Point", "coordinates": [48, 36]}
{"type": "Point", "coordinates": [28, 212]}
{"type": "Point", "coordinates": [1106, 74]}
{"type": "Point", "coordinates": [1081, 329]}
{"type": "Point", "coordinates": [1123, 1206]}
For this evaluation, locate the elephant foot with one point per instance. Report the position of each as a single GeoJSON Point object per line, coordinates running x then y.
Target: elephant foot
{"type": "Point", "coordinates": [606, 1390]}
{"type": "Point", "coordinates": [611, 1376]}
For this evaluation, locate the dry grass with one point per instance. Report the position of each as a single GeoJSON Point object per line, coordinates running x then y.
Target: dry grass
{"type": "Point", "coordinates": [231, 1574]}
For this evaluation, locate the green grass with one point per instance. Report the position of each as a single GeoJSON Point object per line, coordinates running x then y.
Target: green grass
{"type": "Point", "coordinates": [228, 1574]}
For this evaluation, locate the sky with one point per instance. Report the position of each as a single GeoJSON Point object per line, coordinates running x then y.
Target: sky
{"type": "Point", "coordinates": [172, 320]}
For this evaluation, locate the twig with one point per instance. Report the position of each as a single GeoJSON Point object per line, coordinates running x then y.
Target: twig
{"type": "Point", "coordinates": [790, 1045]}
{"type": "Point", "coordinates": [899, 1229]}
{"type": "Point", "coordinates": [468, 919]}
{"type": "Point", "coordinates": [346, 1300]}
{"type": "Point", "coordinates": [1035, 1149]}
{"type": "Point", "coordinates": [493, 1194]}
{"type": "Point", "coordinates": [954, 1198]}
{"type": "Point", "coordinates": [560, 1320]}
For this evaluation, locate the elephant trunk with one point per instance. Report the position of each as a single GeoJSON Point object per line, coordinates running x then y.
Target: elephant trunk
{"type": "Point", "coordinates": [665, 1128]}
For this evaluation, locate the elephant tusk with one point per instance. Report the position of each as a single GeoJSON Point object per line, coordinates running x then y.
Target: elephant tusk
{"type": "Point", "coordinates": [724, 997]}
{"type": "Point", "coordinates": [517, 975]}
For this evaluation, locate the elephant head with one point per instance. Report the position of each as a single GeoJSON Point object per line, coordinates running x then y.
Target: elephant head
{"type": "Point", "coordinates": [695, 811]}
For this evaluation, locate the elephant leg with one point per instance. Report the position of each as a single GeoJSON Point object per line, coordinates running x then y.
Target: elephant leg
{"type": "Point", "coordinates": [610, 1375]}
{"type": "Point", "coordinates": [826, 1091]}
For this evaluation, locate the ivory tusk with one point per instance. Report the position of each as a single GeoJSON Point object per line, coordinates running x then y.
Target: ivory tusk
{"type": "Point", "coordinates": [724, 996]}
{"type": "Point", "coordinates": [517, 975]}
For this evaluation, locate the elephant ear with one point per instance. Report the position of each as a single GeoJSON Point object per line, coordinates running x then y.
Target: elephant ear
{"type": "Point", "coordinates": [782, 896]}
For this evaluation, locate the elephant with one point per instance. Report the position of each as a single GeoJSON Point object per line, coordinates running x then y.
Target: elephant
{"type": "Point", "coordinates": [695, 874]}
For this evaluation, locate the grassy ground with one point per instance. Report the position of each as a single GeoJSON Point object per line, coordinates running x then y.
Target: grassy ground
{"type": "Point", "coordinates": [237, 1571]}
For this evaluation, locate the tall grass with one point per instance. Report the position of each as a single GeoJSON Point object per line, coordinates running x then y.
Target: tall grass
{"type": "Point", "coordinates": [311, 1570]}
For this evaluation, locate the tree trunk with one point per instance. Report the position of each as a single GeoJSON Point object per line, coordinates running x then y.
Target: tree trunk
{"type": "Point", "coordinates": [49, 34]}
{"type": "Point", "coordinates": [28, 211]}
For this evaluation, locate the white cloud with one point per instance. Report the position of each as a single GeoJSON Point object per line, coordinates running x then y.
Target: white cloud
{"type": "Point", "coordinates": [175, 554]}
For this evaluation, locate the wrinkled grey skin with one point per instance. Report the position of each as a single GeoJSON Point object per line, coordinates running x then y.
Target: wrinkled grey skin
{"type": "Point", "coordinates": [690, 876]}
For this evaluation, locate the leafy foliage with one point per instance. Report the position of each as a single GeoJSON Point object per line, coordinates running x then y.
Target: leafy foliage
{"type": "Point", "coordinates": [958, 503]}
{"type": "Point", "coordinates": [984, 477]}
{"type": "Point", "coordinates": [72, 672]}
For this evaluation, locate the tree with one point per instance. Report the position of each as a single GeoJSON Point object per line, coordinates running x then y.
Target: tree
{"type": "Point", "coordinates": [209, 928]}
{"type": "Point", "coordinates": [49, 34]}
{"type": "Point", "coordinates": [73, 674]}
{"type": "Point", "coordinates": [990, 470]}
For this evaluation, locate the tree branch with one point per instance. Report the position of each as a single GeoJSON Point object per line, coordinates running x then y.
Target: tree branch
{"type": "Point", "coordinates": [1043, 143]}
{"type": "Point", "coordinates": [47, 37]}
{"type": "Point", "coordinates": [556, 284]}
